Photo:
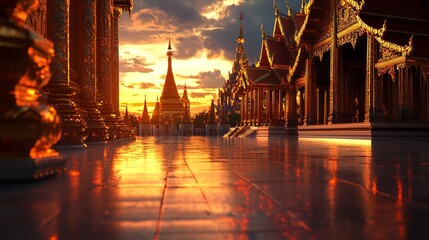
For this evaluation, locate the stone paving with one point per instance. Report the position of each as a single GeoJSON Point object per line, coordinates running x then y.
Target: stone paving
{"type": "Point", "coordinates": [216, 188]}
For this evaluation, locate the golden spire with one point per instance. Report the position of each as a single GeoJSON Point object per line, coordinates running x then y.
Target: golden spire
{"type": "Point", "coordinates": [240, 38]}
{"type": "Point", "coordinates": [170, 99]}
{"type": "Point", "coordinates": [145, 114]}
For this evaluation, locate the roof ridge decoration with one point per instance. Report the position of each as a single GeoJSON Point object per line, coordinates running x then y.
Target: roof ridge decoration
{"type": "Point", "coordinates": [276, 9]}
{"type": "Point", "coordinates": [379, 33]}
{"type": "Point", "coordinates": [295, 66]}
{"type": "Point", "coordinates": [289, 11]}
{"type": "Point", "coordinates": [303, 4]}
{"type": "Point", "coordinates": [298, 34]}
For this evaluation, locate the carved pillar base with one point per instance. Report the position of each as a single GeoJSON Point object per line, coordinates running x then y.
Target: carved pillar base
{"type": "Point", "coordinates": [97, 129]}
{"type": "Point", "coordinates": [74, 125]}
{"type": "Point", "coordinates": [112, 121]}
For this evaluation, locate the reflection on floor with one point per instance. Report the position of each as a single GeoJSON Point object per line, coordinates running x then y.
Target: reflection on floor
{"type": "Point", "coordinates": [216, 188]}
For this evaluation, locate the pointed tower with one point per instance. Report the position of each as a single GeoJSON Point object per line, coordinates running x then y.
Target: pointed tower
{"type": "Point", "coordinates": [155, 116]}
{"type": "Point", "coordinates": [170, 104]}
{"type": "Point", "coordinates": [240, 54]}
{"type": "Point", "coordinates": [145, 114]}
{"type": "Point", "coordinates": [127, 117]}
{"type": "Point", "coordinates": [186, 106]}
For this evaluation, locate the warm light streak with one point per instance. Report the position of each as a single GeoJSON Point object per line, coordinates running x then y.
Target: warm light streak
{"type": "Point", "coordinates": [348, 142]}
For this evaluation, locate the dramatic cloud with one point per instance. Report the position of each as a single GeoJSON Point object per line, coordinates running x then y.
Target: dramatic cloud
{"type": "Point", "coordinates": [199, 94]}
{"type": "Point", "coordinates": [187, 47]}
{"type": "Point", "coordinates": [135, 64]}
{"type": "Point", "coordinates": [211, 79]}
{"type": "Point", "coordinates": [145, 85]}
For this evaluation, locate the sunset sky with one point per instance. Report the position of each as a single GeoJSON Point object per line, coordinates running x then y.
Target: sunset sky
{"type": "Point", "coordinates": [203, 36]}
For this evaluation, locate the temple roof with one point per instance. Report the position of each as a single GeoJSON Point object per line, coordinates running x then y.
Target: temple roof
{"type": "Point", "coordinates": [261, 76]}
{"type": "Point", "coordinates": [170, 100]}
{"type": "Point", "coordinates": [277, 52]}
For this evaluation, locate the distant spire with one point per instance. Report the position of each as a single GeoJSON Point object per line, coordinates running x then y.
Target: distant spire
{"type": "Point", "coordinates": [145, 114]}
{"type": "Point", "coordinates": [262, 30]}
{"type": "Point", "coordinates": [127, 117]}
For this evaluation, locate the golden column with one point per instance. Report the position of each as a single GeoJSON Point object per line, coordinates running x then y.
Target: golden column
{"type": "Point", "coordinates": [28, 127]}
{"type": "Point", "coordinates": [333, 84]}
{"type": "Point", "coordinates": [105, 67]}
{"type": "Point", "coordinates": [310, 92]}
{"type": "Point", "coordinates": [117, 12]}
{"type": "Point", "coordinates": [97, 129]}
{"type": "Point", "coordinates": [58, 90]}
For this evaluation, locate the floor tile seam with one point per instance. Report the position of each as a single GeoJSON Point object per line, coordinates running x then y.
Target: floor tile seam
{"type": "Point", "coordinates": [289, 213]}
{"type": "Point", "coordinates": [196, 180]}
{"type": "Point", "coordinates": [163, 198]}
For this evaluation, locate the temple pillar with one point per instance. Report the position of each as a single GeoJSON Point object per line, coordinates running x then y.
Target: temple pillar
{"type": "Point", "coordinates": [244, 118]}
{"type": "Point", "coordinates": [292, 117]}
{"type": "Point", "coordinates": [104, 43]}
{"type": "Point", "coordinates": [310, 92]}
{"type": "Point", "coordinates": [334, 88]}
{"type": "Point", "coordinates": [97, 129]}
{"type": "Point", "coordinates": [58, 90]}
{"type": "Point", "coordinates": [281, 115]}
{"type": "Point", "coordinates": [117, 12]}
{"type": "Point", "coordinates": [269, 105]}
{"type": "Point", "coordinates": [105, 67]}
{"type": "Point", "coordinates": [28, 127]}
{"type": "Point", "coordinates": [405, 94]}
{"type": "Point", "coordinates": [373, 86]}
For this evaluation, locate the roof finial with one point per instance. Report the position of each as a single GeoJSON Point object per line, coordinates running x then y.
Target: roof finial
{"type": "Point", "coordinates": [276, 9]}
{"type": "Point", "coordinates": [289, 11]}
{"type": "Point", "coordinates": [169, 49]}
{"type": "Point", "coordinates": [303, 4]}
{"type": "Point", "coordinates": [262, 30]}
{"type": "Point", "coordinates": [241, 26]}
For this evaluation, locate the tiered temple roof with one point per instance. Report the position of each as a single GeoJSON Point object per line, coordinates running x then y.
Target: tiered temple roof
{"type": "Point", "coordinates": [277, 52]}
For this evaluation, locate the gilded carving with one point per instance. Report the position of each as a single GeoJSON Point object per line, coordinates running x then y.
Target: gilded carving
{"type": "Point", "coordinates": [350, 37]}
{"type": "Point", "coordinates": [346, 17]}
{"type": "Point", "coordinates": [385, 53]}
{"type": "Point", "coordinates": [88, 65]}
{"type": "Point", "coordinates": [37, 19]}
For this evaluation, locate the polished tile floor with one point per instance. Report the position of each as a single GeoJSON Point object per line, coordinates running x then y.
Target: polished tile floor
{"type": "Point", "coordinates": [216, 188]}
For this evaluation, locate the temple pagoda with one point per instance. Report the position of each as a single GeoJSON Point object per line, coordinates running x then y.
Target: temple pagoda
{"type": "Point", "coordinates": [171, 107]}
{"type": "Point", "coordinates": [229, 94]}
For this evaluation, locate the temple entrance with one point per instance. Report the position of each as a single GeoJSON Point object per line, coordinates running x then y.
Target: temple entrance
{"type": "Point", "coordinates": [352, 65]}
{"type": "Point", "coordinates": [322, 73]}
